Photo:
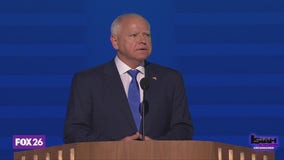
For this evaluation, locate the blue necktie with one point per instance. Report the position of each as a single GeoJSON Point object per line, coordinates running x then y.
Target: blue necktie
{"type": "Point", "coordinates": [134, 97]}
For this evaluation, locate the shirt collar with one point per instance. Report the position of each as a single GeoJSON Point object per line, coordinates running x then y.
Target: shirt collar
{"type": "Point", "coordinates": [123, 68]}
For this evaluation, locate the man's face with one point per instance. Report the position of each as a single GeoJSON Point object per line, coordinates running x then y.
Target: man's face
{"type": "Point", "coordinates": [133, 40]}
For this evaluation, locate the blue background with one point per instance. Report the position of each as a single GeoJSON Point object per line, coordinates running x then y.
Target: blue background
{"type": "Point", "coordinates": [231, 54]}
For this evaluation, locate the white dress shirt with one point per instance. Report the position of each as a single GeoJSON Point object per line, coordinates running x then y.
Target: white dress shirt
{"type": "Point", "coordinates": [126, 78]}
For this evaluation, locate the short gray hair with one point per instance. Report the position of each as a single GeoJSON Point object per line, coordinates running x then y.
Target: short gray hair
{"type": "Point", "coordinates": [115, 26]}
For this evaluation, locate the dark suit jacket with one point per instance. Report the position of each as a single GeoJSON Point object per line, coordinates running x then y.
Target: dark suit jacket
{"type": "Point", "coordinates": [98, 108]}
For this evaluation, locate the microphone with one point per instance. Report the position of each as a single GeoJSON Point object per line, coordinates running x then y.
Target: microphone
{"type": "Point", "coordinates": [144, 84]}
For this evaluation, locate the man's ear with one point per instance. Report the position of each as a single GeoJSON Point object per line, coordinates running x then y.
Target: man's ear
{"type": "Point", "coordinates": [114, 41]}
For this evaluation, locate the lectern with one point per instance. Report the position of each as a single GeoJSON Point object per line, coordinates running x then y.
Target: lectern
{"type": "Point", "coordinates": [145, 150]}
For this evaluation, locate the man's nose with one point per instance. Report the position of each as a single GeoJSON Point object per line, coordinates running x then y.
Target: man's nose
{"type": "Point", "coordinates": [142, 38]}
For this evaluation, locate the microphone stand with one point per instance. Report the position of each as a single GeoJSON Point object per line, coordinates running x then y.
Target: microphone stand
{"type": "Point", "coordinates": [143, 115]}
{"type": "Point", "coordinates": [144, 83]}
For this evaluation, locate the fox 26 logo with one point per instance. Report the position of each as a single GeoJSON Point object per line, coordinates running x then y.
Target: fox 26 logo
{"type": "Point", "coordinates": [29, 141]}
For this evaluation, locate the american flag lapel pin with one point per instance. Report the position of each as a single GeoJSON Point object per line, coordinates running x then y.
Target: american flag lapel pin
{"type": "Point", "coordinates": [154, 78]}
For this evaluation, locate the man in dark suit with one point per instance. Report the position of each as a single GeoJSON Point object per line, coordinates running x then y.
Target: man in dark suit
{"type": "Point", "coordinates": [102, 98]}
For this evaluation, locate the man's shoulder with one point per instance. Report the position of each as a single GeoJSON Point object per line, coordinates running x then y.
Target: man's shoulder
{"type": "Point", "coordinates": [162, 69]}
{"type": "Point", "coordinates": [166, 75]}
{"type": "Point", "coordinates": [92, 71]}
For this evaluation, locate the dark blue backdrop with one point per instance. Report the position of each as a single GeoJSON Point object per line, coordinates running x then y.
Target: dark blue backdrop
{"type": "Point", "coordinates": [231, 54]}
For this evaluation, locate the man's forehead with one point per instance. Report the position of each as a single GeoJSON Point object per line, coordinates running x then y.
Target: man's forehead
{"type": "Point", "coordinates": [135, 28]}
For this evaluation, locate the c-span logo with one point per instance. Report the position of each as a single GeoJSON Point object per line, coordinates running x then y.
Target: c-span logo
{"type": "Point", "coordinates": [29, 141]}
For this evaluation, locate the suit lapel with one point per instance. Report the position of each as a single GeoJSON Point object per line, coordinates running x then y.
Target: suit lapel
{"type": "Point", "coordinates": [118, 95]}
{"type": "Point", "coordinates": [153, 75]}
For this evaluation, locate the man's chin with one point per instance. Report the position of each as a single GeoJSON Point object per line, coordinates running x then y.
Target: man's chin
{"type": "Point", "coordinates": [142, 55]}
{"type": "Point", "coordinates": [142, 58]}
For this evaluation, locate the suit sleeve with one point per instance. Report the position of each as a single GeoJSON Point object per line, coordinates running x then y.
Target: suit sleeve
{"type": "Point", "coordinates": [78, 120]}
{"type": "Point", "coordinates": [181, 127]}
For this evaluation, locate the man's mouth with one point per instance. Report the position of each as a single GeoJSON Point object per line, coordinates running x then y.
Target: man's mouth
{"type": "Point", "coordinates": [143, 49]}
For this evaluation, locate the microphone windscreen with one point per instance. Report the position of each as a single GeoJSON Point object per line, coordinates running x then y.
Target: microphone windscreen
{"type": "Point", "coordinates": [144, 83]}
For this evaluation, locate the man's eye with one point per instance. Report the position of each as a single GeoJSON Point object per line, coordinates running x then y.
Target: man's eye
{"type": "Point", "coordinates": [148, 35]}
{"type": "Point", "coordinates": [133, 35]}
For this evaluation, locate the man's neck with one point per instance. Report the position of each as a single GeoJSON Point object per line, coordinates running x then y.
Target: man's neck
{"type": "Point", "coordinates": [131, 63]}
